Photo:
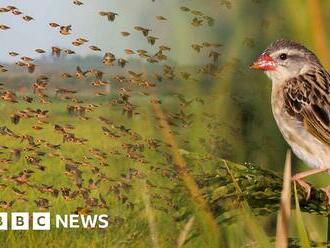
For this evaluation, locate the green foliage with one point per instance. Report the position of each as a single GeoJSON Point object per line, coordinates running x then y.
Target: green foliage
{"type": "Point", "coordinates": [212, 117]}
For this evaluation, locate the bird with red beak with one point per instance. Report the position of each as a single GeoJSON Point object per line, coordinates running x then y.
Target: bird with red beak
{"type": "Point", "coordinates": [300, 104]}
{"type": "Point", "coordinates": [264, 62]}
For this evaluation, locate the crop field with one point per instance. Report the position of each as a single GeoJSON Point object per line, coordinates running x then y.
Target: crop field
{"type": "Point", "coordinates": [124, 166]}
{"type": "Point", "coordinates": [146, 112]}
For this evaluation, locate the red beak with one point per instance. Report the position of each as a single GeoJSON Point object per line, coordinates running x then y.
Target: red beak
{"type": "Point", "coordinates": [264, 62]}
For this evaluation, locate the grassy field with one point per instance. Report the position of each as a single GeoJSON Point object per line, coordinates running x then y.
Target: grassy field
{"type": "Point", "coordinates": [147, 203]}
{"type": "Point", "coordinates": [150, 202]}
{"type": "Point", "coordinates": [185, 154]}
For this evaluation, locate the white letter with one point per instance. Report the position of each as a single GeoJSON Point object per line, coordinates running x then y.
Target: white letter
{"type": "Point", "coordinates": [59, 221]}
{"type": "Point", "coordinates": [104, 219]}
{"type": "Point", "coordinates": [87, 221]}
{"type": "Point", "coordinates": [74, 221]}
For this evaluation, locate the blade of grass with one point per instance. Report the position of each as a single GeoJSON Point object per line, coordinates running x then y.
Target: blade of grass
{"type": "Point", "coordinates": [150, 216]}
{"type": "Point", "coordinates": [185, 231]}
{"type": "Point", "coordinates": [256, 231]}
{"type": "Point", "coordinates": [304, 240]}
{"type": "Point", "coordinates": [188, 180]}
{"type": "Point", "coordinates": [328, 233]}
{"type": "Point", "coordinates": [285, 206]}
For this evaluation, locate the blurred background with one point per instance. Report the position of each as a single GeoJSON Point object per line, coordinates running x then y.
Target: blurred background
{"type": "Point", "coordinates": [214, 103]}
{"type": "Point", "coordinates": [239, 97]}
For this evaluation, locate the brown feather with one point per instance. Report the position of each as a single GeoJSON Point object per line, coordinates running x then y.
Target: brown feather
{"type": "Point", "coordinates": [307, 99]}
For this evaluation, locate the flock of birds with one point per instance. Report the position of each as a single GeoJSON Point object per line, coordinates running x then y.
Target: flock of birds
{"type": "Point", "coordinates": [35, 149]}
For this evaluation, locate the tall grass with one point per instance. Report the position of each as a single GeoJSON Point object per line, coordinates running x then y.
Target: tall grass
{"type": "Point", "coordinates": [166, 204]}
{"type": "Point", "coordinates": [283, 216]}
{"type": "Point", "coordinates": [196, 196]}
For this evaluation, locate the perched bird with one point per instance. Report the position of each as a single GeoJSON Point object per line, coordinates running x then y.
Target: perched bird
{"type": "Point", "coordinates": [300, 103]}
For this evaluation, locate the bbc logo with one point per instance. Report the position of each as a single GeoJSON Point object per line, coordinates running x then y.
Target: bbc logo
{"type": "Point", "coordinates": [41, 221]}
{"type": "Point", "coordinates": [21, 221]}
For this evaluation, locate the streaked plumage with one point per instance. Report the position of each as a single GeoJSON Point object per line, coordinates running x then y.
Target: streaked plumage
{"type": "Point", "coordinates": [300, 102]}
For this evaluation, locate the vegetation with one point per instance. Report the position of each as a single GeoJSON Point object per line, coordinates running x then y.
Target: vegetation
{"type": "Point", "coordinates": [198, 161]}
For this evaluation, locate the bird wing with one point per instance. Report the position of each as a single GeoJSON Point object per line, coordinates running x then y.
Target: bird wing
{"type": "Point", "coordinates": [307, 99]}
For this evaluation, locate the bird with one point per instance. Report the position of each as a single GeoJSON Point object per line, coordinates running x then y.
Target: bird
{"type": "Point", "coordinates": [151, 39]}
{"type": "Point", "coordinates": [53, 24]}
{"type": "Point", "coordinates": [56, 51]}
{"type": "Point", "coordinates": [4, 27]}
{"type": "Point", "coordinates": [39, 50]}
{"type": "Point", "coordinates": [300, 102]}
{"type": "Point", "coordinates": [94, 48]}
{"type": "Point", "coordinates": [145, 31]}
{"type": "Point", "coordinates": [125, 34]}
{"type": "Point", "coordinates": [161, 18]}
{"type": "Point", "coordinates": [65, 30]}
{"type": "Point", "coordinates": [27, 18]}
{"type": "Point", "coordinates": [110, 15]}
{"type": "Point", "coordinates": [77, 2]}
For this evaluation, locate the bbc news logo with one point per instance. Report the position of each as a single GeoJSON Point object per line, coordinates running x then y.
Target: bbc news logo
{"type": "Point", "coordinates": [42, 221]}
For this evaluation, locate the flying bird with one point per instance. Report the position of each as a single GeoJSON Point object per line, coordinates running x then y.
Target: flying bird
{"type": "Point", "coordinates": [95, 48]}
{"type": "Point", "coordinates": [145, 31]}
{"type": "Point", "coordinates": [4, 27]}
{"type": "Point", "coordinates": [27, 18]}
{"type": "Point", "coordinates": [77, 2]}
{"type": "Point", "coordinates": [56, 51]}
{"type": "Point", "coordinates": [65, 30]}
{"type": "Point", "coordinates": [53, 24]}
{"type": "Point", "coordinates": [110, 15]}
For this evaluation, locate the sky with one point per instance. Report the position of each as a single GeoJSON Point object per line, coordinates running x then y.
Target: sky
{"type": "Point", "coordinates": [25, 37]}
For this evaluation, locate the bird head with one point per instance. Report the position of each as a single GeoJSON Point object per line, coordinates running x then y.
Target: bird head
{"type": "Point", "coordinates": [285, 59]}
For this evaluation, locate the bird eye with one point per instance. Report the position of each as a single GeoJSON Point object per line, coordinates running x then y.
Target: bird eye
{"type": "Point", "coordinates": [283, 56]}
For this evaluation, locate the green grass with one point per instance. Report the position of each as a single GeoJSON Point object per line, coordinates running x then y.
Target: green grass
{"type": "Point", "coordinates": [226, 141]}
{"type": "Point", "coordinates": [159, 210]}
{"type": "Point", "coordinates": [168, 202]}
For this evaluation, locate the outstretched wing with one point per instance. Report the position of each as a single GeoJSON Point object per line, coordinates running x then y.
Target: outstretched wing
{"type": "Point", "coordinates": [307, 98]}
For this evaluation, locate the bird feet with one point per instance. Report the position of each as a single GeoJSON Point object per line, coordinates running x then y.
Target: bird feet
{"type": "Point", "coordinates": [307, 188]}
{"type": "Point", "coordinates": [299, 178]}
